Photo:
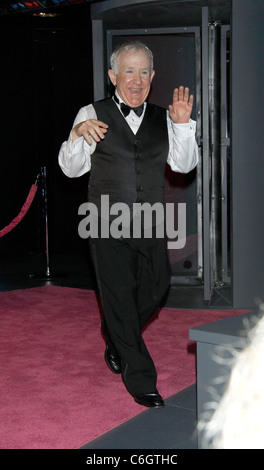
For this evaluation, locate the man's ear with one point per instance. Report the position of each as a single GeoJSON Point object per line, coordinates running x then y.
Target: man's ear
{"type": "Point", "coordinates": [112, 76]}
{"type": "Point", "coordinates": [152, 75]}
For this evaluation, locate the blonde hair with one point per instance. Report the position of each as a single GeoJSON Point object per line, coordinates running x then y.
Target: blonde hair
{"type": "Point", "coordinates": [237, 422]}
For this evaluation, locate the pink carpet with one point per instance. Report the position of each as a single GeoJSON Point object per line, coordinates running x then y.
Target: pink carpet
{"type": "Point", "coordinates": [54, 381]}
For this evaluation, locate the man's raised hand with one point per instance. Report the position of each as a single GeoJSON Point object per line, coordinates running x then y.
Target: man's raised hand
{"type": "Point", "coordinates": [181, 108]}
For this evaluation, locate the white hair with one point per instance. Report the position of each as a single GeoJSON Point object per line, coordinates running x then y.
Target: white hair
{"type": "Point", "coordinates": [237, 422]}
{"type": "Point", "coordinates": [131, 46]}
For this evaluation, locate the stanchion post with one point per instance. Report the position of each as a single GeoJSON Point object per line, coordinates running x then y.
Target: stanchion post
{"type": "Point", "coordinates": [42, 179]}
{"type": "Point", "coordinates": [47, 276]}
{"type": "Point", "coordinates": [45, 198]}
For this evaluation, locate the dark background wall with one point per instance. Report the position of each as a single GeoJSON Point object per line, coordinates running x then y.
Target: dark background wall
{"type": "Point", "coordinates": [46, 76]}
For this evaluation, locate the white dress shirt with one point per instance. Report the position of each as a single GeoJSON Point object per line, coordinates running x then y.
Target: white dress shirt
{"type": "Point", "coordinates": [75, 157]}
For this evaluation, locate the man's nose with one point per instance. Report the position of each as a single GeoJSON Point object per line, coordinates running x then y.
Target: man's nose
{"type": "Point", "coordinates": [137, 77]}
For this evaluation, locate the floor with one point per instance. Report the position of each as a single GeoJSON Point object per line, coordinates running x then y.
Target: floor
{"type": "Point", "coordinates": [172, 427]}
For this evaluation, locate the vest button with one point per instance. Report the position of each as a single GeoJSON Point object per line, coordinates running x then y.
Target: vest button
{"type": "Point", "coordinates": [138, 157]}
{"type": "Point", "coordinates": [139, 188]}
{"type": "Point", "coordinates": [138, 171]}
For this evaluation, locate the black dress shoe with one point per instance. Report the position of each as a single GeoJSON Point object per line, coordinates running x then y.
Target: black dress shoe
{"type": "Point", "coordinates": [112, 360]}
{"type": "Point", "coordinates": [151, 400]}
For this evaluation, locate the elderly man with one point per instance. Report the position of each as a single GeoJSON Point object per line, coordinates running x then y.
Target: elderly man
{"type": "Point", "coordinates": [126, 143]}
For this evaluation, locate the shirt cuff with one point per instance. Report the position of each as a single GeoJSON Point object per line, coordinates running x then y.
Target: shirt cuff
{"type": "Point", "coordinates": [79, 145]}
{"type": "Point", "coordinates": [184, 130]}
{"type": "Point", "coordinates": [75, 146]}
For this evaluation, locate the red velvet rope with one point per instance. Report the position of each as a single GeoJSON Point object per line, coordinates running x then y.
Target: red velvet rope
{"type": "Point", "coordinates": [22, 213]}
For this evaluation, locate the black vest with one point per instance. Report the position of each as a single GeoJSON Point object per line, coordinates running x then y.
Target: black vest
{"type": "Point", "coordinates": [129, 168]}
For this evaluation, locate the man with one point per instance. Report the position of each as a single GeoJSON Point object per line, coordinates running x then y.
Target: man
{"type": "Point", "coordinates": [126, 152]}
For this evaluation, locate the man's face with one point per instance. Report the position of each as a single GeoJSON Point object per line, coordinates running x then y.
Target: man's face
{"type": "Point", "coordinates": [133, 78]}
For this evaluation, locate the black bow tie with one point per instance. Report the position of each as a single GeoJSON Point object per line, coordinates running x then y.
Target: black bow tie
{"type": "Point", "coordinates": [126, 109]}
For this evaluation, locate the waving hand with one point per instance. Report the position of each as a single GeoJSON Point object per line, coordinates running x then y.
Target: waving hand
{"type": "Point", "coordinates": [181, 108]}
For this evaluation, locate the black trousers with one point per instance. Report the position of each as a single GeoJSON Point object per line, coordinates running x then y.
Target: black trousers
{"type": "Point", "coordinates": [133, 277]}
